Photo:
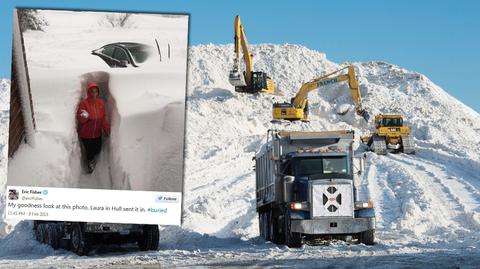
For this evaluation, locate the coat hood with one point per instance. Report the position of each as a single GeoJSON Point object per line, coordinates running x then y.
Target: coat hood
{"type": "Point", "coordinates": [90, 87]}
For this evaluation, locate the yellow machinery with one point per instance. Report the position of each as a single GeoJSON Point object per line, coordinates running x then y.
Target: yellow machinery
{"type": "Point", "coordinates": [247, 81]}
{"type": "Point", "coordinates": [297, 109]}
{"type": "Point", "coordinates": [390, 134]}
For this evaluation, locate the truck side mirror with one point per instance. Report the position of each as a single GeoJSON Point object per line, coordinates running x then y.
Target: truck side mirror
{"type": "Point", "coordinates": [287, 188]}
{"type": "Point", "coordinates": [362, 166]}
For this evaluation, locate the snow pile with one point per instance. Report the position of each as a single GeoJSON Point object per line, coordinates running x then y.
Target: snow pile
{"type": "Point", "coordinates": [419, 196]}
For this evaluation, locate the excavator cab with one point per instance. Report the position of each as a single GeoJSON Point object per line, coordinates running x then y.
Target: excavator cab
{"type": "Point", "coordinates": [260, 83]}
{"type": "Point", "coordinates": [389, 122]}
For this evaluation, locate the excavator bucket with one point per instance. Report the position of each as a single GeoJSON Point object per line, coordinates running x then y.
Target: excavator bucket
{"type": "Point", "coordinates": [364, 114]}
{"type": "Point", "coordinates": [236, 78]}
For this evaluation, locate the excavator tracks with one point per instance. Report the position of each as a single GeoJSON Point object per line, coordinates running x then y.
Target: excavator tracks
{"type": "Point", "coordinates": [378, 145]}
{"type": "Point", "coordinates": [408, 145]}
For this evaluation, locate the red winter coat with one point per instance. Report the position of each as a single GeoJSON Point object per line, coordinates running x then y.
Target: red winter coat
{"type": "Point", "coordinates": [97, 121]}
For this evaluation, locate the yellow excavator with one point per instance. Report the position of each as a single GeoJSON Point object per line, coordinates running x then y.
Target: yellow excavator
{"type": "Point", "coordinates": [297, 109]}
{"type": "Point", "coordinates": [391, 134]}
{"type": "Point", "coordinates": [247, 81]}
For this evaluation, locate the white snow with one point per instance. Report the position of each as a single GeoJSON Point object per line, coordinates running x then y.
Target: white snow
{"type": "Point", "coordinates": [427, 205]}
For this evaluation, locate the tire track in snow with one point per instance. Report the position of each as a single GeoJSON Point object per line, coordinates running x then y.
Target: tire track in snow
{"type": "Point", "coordinates": [464, 198]}
{"type": "Point", "coordinates": [401, 201]}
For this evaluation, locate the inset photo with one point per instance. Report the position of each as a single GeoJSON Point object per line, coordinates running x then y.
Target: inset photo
{"type": "Point", "coordinates": [98, 102]}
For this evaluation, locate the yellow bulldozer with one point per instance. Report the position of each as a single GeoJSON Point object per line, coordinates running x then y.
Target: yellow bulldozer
{"type": "Point", "coordinates": [297, 109]}
{"type": "Point", "coordinates": [391, 134]}
{"type": "Point", "coordinates": [247, 81]}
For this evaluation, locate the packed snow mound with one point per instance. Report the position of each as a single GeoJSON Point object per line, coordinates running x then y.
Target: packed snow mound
{"type": "Point", "coordinates": [225, 129]}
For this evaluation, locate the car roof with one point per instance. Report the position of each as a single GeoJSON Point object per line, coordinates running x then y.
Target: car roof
{"type": "Point", "coordinates": [126, 44]}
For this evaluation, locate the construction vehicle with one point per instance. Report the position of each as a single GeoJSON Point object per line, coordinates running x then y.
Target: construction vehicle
{"type": "Point", "coordinates": [306, 189]}
{"type": "Point", "coordinates": [80, 237]}
{"type": "Point", "coordinates": [297, 109]}
{"type": "Point", "coordinates": [391, 134]}
{"type": "Point", "coordinates": [247, 81]}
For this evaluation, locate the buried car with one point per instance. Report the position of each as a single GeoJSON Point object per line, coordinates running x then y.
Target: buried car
{"type": "Point", "coordinates": [125, 54]}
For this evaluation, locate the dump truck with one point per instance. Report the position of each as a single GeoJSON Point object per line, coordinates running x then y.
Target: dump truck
{"type": "Point", "coordinates": [306, 189]}
{"type": "Point", "coordinates": [80, 237]}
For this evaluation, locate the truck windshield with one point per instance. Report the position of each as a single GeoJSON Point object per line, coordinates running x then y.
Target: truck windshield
{"type": "Point", "coordinates": [325, 165]}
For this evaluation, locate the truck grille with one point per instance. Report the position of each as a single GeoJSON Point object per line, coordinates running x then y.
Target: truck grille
{"type": "Point", "coordinates": [332, 198]}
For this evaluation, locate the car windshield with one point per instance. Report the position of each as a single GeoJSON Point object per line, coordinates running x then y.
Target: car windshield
{"type": "Point", "coordinates": [140, 53]}
{"type": "Point", "coordinates": [392, 122]}
{"type": "Point", "coordinates": [323, 165]}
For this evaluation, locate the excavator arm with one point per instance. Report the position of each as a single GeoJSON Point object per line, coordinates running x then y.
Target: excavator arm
{"type": "Point", "coordinates": [299, 102]}
{"type": "Point", "coordinates": [241, 43]}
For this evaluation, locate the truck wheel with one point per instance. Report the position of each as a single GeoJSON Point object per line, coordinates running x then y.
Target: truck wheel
{"type": "Point", "coordinates": [79, 242]}
{"type": "Point", "coordinates": [40, 233]}
{"type": "Point", "coordinates": [275, 234]}
{"type": "Point", "coordinates": [53, 236]}
{"type": "Point", "coordinates": [260, 225]}
{"type": "Point", "coordinates": [367, 237]}
{"type": "Point", "coordinates": [43, 233]}
{"type": "Point", "coordinates": [150, 238]}
{"type": "Point", "coordinates": [292, 240]}
{"type": "Point", "coordinates": [263, 223]}
{"type": "Point", "coordinates": [267, 225]}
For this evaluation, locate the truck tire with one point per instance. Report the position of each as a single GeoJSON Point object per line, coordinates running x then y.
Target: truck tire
{"type": "Point", "coordinates": [79, 242]}
{"type": "Point", "coordinates": [367, 237]}
{"type": "Point", "coordinates": [150, 238]}
{"type": "Point", "coordinates": [292, 239]}
{"type": "Point", "coordinates": [261, 231]}
{"type": "Point", "coordinates": [52, 235]}
{"type": "Point", "coordinates": [43, 233]}
{"type": "Point", "coordinates": [267, 217]}
{"type": "Point", "coordinates": [276, 235]}
{"type": "Point", "coordinates": [40, 233]}
{"type": "Point", "coordinates": [263, 223]}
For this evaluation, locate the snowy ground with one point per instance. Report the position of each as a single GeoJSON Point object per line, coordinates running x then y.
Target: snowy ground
{"type": "Point", "coordinates": [427, 205]}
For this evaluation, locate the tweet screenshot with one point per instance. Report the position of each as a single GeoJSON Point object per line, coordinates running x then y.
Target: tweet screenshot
{"type": "Point", "coordinates": [97, 118]}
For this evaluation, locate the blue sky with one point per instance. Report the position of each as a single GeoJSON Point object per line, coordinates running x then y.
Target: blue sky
{"type": "Point", "coordinates": [440, 39]}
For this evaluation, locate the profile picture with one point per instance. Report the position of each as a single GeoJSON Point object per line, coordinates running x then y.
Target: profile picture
{"type": "Point", "coordinates": [12, 194]}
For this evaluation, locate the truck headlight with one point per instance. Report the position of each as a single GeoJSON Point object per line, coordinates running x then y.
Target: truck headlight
{"type": "Point", "coordinates": [363, 205]}
{"type": "Point", "coordinates": [299, 206]}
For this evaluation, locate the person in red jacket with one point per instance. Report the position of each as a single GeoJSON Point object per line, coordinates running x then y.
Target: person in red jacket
{"type": "Point", "coordinates": [92, 120]}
